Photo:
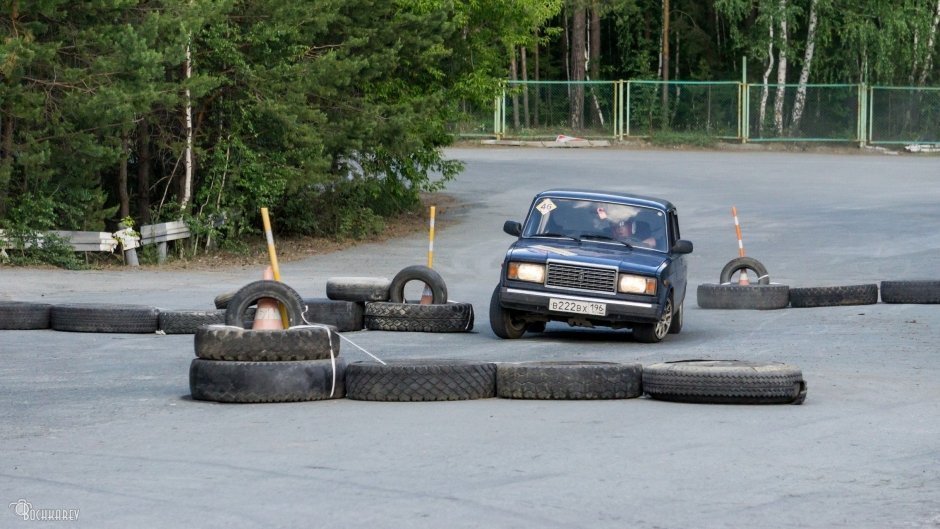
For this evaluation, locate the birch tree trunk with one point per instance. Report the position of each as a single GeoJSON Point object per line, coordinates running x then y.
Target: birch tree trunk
{"type": "Point", "coordinates": [188, 174]}
{"type": "Point", "coordinates": [762, 112]}
{"type": "Point", "coordinates": [781, 69]}
{"type": "Point", "coordinates": [800, 101]}
{"type": "Point", "coordinates": [577, 67]}
{"type": "Point", "coordinates": [931, 39]}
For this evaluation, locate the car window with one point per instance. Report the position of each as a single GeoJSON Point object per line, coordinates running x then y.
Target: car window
{"type": "Point", "coordinates": [635, 225]}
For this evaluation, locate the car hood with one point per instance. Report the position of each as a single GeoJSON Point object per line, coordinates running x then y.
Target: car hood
{"type": "Point", "coordinates": [589, 252]}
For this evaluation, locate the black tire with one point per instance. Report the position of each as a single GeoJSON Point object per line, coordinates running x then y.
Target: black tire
{"type": "Point", "coordinates": [502, 321]}
{"type": "Point", "coordinates": [102, 317]}
{"type": "Point", "coordinates": [421, 380]}
{"type": "Point", "coordinates": [655, 332]}
{"type": "Point", "coordinates": [221, 301]}
{"type": "Point", "coordinates": [725, 382]}
{"type": "Point", "coordinates": [23, 315]}
{"type": "Point", "coordinates": [677, 319]}
{"type": "Point", "coordinates": [739, 264]}
{"type": "Point", "coordinates": [924, 291]}
{"type": "Point", "coordinates": [359, 289]}
{"type": "Point", "coordinates": [346, 316]}
{"type": "Point", "coordinates": [248, 295]}
{"type": "Point", "coordinates": [833, 296]}
{"type": "Point", "coordinates": [756, 297]}
{"type": "Point", "coordinates": [188, 321]}
{"type": "Point", "coordinates": [231, 342]}
{"type": "Point", "coordinates": [428, 276]}
{"type": "Point", "coordinates": [246, 382]}
{"type": "Point", "coordinates": [411, 317]}
{"type": "Point", "coordinates": [569, 380]}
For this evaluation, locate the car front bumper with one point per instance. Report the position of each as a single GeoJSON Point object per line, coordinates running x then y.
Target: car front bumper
{"type": "Point", "coordinates": [618, 310]}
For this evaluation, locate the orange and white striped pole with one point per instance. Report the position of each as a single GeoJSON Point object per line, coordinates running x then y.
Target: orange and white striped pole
{"type": "Point", "coordinates": [742, 276]}
{"type": "Point", "coordinates": [427, 297]}
{"type": "Point", "coordinates": [737, 228]}
{"type": "Point", "coordinates": [431, 238]}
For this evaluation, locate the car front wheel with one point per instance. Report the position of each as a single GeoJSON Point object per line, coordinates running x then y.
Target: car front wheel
{"type": "Point", "coordinates": [655, 332]}
{"type": "Point", "coordinates": [501, 320]}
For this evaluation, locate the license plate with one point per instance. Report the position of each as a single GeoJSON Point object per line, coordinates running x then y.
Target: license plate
{"type": "Point", "coordinates": [577, 307]}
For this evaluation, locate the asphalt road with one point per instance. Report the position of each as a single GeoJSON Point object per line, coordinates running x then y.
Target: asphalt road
{"type": "Point", "coordinates": [103, 423]}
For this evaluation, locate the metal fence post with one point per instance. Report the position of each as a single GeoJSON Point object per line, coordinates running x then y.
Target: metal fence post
{"type": "Point", "coordinates": [627, 110]}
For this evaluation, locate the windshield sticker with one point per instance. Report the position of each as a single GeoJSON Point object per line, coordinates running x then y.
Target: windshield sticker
{"type": "Point", "coordinates": [549, 249]}
{"type": "Point", "coordinates": [546, 206]}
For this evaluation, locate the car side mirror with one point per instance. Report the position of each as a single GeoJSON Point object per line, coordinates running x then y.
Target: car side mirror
{"type": "Point", "coordinates": [682, 246]}
{"type": "Point", "coordinates": [513, 228]}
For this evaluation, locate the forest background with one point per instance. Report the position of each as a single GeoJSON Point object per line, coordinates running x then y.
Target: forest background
{"type": "Point", "coordinates": [334, 113]}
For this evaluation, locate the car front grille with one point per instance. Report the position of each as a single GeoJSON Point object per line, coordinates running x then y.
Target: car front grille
{"type": "Point", "coordinates": [590, 279]}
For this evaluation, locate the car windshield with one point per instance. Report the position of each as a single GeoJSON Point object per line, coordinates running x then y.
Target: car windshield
{"type": "Point", "coordinates": [579, 219]}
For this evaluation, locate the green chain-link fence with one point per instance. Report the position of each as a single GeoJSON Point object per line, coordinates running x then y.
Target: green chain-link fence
{"type": "Point", "coordinates": [714, 109]}
{"type": "Point", "coordinates": [903, 115]}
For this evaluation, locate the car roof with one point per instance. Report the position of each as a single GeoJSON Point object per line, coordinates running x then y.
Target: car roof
{"type": "Point", "coordinates": [607, 196]}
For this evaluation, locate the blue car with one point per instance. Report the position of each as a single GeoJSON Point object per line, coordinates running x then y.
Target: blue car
{"type": "Point", "coordinates": [591, 259]}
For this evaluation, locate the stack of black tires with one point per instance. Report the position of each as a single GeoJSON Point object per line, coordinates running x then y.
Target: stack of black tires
{"type": "Point", "coordinates": [235, 364]}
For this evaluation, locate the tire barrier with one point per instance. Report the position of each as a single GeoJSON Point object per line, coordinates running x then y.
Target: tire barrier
{"type": "Point", "coordinates": [578, 380]}
{"type": "Point", "coordinates": [724, 382]}
{"type": "Point", "coordinates": [410, 317]}
{"type": "Point", "coordinates": [756, 297]}
{"type": "Point", "coordinates": [358, 289]}
{"type": "Point", "coordinates": [424, 274]}
{"type": "Point", "coordinates": [917, 292]}
{"type": "Point", "coordinates": [103, 317]}
{"type": "Point", "coordinates": [23, 315]}
{"type": "Point", "coordinates": [833, 296]}
{"type": "Point", "coordinates": [420, 380]}
{"type": "Point", "coordinates": [256, 382]}
{"type": "Point", "coordinates": [741, 264]}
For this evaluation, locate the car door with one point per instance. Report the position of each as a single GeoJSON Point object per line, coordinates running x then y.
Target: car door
{"type": "Point", "coordinates": [679, 262]}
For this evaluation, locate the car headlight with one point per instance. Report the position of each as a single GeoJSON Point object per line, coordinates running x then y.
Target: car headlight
{"type": "Point", "coordinates": [631, 284]}
{"type": "Point", "coordinates": [526, 272]}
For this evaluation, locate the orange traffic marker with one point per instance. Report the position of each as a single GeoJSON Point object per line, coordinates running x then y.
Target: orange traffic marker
{"type": "Point", "coordinates": [267, 314]}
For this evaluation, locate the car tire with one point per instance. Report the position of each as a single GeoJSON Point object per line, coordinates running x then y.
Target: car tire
{"type": "Point", "coordinates": [358, 289]}
{"type": "Point", "coordinates": [568, 380]}
{"type": "Point", "coordinates": [833, 296]}
{"type": "Point", "coordinates": [412, 317]}
{"type": "Point", "coordinates": [923, 292]}
{"type": "Point", "coordinates": [655, 332]}
{"type": "Point", "coordinates": [346, 316]}
{"type": "Point", "coordinates": [677, 319]}
{"type": "Point", "coordinates": [255, 382]}
{"type": "Point", "coordinates": [233, 343]}
{"type": "Point", "coordinates": [739, 264]}
{"type": "Point", "coordinates": [188, 321]}
{"type": "Point", "coordinates": [724, 382]}
{"type": "Point", "coordinates": [23, 315]}
{"type": "Point", "coordinates": [104, 317]}
{"type": "Point", "coordinates": [248, 295]}
{"type": "Point", "coordinates": [424, 274]}
{"type": "Point", "coordinates": [754, 297]}
{"type": "Point", "coordinates": [502, 322]}
{"type": "Point", "coordinates": [420, 380]}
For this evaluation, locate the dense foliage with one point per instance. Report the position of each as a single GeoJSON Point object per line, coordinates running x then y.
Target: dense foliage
{"type": "Point", "coordinates": [334, 113]}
